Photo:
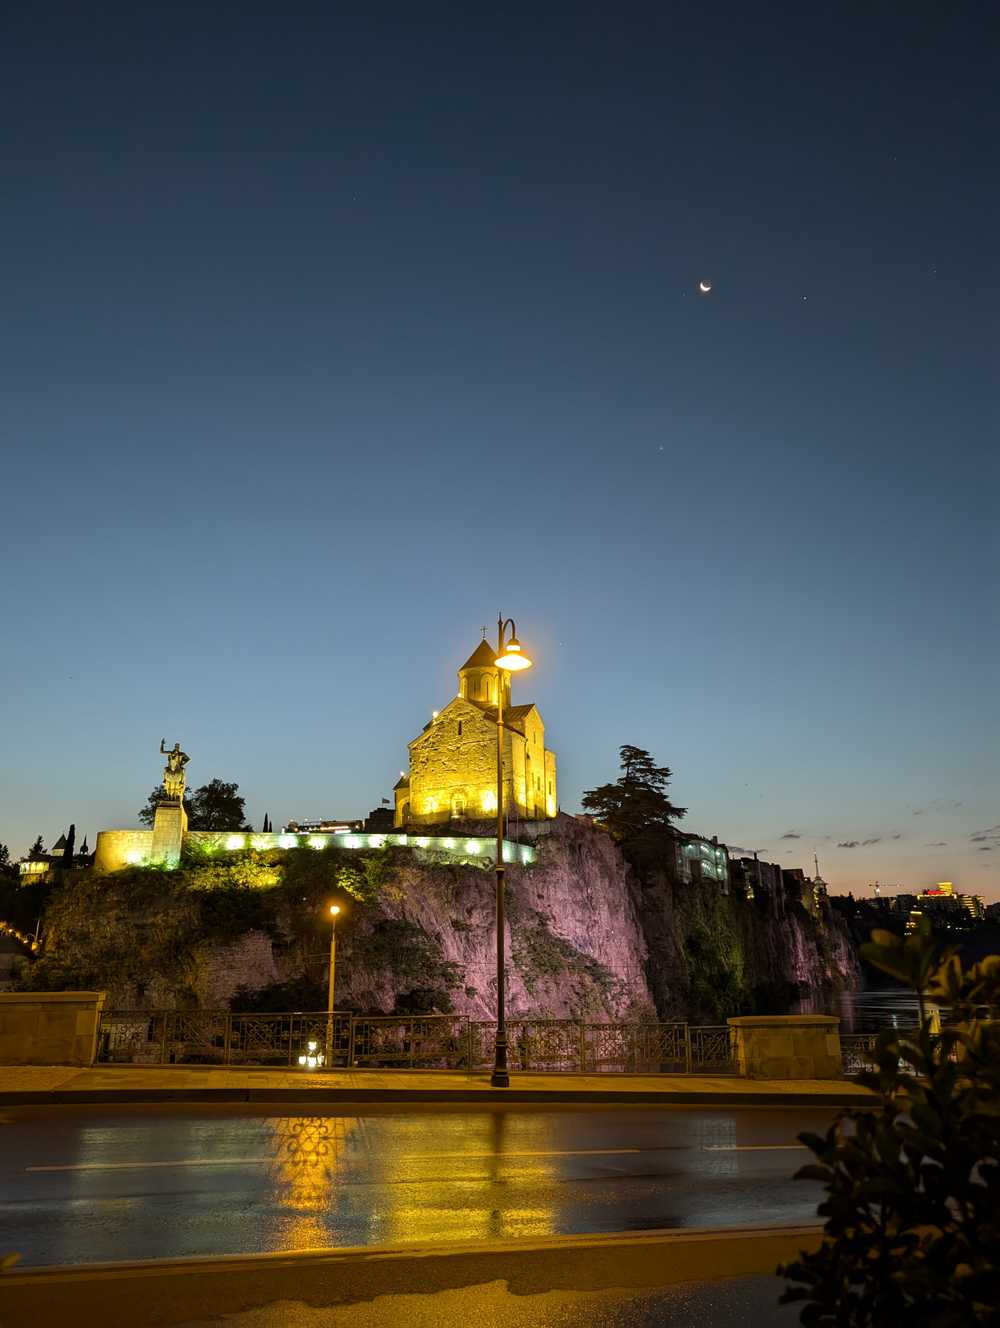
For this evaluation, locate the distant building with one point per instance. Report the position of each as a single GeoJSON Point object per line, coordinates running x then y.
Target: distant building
{"type": "Point", "coordinates": [329, 826]}
{"type": "Point", "coordinates": [700, 859]}
{"type": "Point", "coordinates": [749, 874]}
{"type": "Point", "coordinates": [38, 868]}
{"type": "Point", "coordinates": [943, 905]}
{"type": "Point", "coordinates": [810, 892]}
{"type": "Point", "coordinates": [379, 820]}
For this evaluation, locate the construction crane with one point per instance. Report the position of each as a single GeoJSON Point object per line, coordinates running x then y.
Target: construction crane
{"type": "Point", "coordinates": [889, 885]}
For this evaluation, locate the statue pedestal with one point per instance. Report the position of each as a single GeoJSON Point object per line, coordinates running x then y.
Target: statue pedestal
{"type": "Point", "coordinates": [169, 826]}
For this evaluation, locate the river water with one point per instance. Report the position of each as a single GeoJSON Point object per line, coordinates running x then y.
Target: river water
{"type": "Point", "coordinates": [865, 1011]}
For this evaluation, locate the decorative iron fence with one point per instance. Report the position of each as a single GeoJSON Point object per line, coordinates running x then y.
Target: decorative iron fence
{"type": "Point", "coordinates": [427, 1042]}
{"type": "Point", "coordinates": [858, 1052]}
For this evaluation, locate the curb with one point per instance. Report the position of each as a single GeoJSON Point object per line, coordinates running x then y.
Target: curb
{"type": "Point", "coordinates": [490, 1096]}
{"type": "Point", "coordinates": [174, 1292]}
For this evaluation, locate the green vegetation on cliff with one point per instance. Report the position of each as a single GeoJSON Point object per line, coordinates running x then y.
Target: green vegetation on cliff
{"type": "Point", "coordinates": [145, 931]}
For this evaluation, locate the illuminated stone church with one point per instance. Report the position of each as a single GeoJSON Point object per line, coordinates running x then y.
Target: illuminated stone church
{"type": "Point", "coordinates": [453, 762]}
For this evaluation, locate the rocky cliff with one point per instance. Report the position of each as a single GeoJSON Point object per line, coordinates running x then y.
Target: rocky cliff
{"type": "Point", "coordinates": [588, 936]}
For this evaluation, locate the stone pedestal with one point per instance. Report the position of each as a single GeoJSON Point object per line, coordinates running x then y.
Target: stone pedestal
{"type": "Point", "coordinates": [169, 827]}
{"type": "Point", "coordinates": [49, 1027]}
{"type": "Point", "coordinates": [787, 1046]}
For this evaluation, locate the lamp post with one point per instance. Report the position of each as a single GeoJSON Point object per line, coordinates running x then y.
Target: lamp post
{"type": "Point", "coordinates": [334, 912]}
{"type": "Point", "coordinates": [510, 659]}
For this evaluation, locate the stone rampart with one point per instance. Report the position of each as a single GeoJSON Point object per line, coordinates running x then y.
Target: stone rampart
{"type": "Point", "coordinates": [116, 849]}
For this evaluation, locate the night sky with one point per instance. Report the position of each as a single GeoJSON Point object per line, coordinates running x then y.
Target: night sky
{"type": "Point", "coordinates": [329, 331]}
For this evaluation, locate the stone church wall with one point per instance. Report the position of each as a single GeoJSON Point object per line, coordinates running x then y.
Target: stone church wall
{"type": "Point", "coordinates": [444, 763]}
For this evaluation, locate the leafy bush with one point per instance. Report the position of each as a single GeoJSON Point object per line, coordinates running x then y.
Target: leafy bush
{"type": "Point", "coordinates": [912, 1233]}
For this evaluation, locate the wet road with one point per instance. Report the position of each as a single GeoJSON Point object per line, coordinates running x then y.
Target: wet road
{"type": "Point", "coordinates": [85, 1185]}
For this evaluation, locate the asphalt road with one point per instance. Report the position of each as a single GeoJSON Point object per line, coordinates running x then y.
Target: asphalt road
{"type": "Point", "coordinates": [86, 1185]}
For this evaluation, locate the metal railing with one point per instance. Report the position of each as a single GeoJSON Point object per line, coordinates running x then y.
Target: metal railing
{"type": "Point", "coordinates": [429, 1042]}
{"type": "Point", "coordinates": [858, 1052]}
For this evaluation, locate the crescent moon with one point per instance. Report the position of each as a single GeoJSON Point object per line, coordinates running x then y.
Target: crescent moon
{"type": "Point", "coordinates": [704, 287]}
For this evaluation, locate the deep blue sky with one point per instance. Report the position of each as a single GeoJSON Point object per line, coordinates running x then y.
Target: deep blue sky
{"type": "Point", "coordinates": [327, 332]}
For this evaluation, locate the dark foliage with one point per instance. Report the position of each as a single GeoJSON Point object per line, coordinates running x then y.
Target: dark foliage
{"type": "Point", "coordinates": [301, 993]}
{"type": "Point", "coordinates": [913, 1188]}
{"type": "Point", "coordinates": [635, 809]}
{"type": "Point", "coordinates": [37, 849]}
{"type": "Point", "coordinates": [215, 806]}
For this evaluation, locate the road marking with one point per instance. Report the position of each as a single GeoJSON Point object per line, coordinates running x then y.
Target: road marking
{"type": "Point", "coordinates": [139, 1164]}
{"type": "Point", "coordinates": [556, 1152]}
{"type": "Point", "coordinates": [132, 1166]}
{"type": "Point", "coordinates": [750, 1148]}
{"type": "Point", "coordinates": [412, 1157]}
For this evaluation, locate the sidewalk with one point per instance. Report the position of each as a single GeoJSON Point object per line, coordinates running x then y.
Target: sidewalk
{"type": "Point", "coordinates": [28, 1085]}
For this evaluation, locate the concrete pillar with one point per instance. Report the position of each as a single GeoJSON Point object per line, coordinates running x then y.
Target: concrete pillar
{"type": "Point", "coordinates": [169, 827]}
{"type": "Point", "coordinates": [49, 1027]}
{"type": "Point", "coordinates": [787, 1046]}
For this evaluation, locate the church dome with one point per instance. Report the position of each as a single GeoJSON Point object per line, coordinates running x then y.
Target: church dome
{"type": "Point", "coordinates": [483, 657]}
{"type": "Point", "coordinates": [477, 678]}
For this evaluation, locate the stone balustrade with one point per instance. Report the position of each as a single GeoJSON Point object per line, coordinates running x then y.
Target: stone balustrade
{"type": "Point", "coordinates": [787, 1046]}
{"type": "Point", "coordinates": [49, 1027]}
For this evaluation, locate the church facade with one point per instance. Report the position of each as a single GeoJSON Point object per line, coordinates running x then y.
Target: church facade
{"type": "Point", "coordinates": [453, 762]}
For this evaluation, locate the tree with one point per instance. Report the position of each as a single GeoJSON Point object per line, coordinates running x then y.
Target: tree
{"type": "Point", "coordinates": [913, 1186]}
{"type": "Point", "coordinates": [635, 809]}
{"type": "Point", "coordinates": [217, 806]}
{"type": "Point", "coordinates": [7, 868]}
{"type": "Point", "coordinates": [148, 813]}
{"type": "Point", "coordinates": [37, 849]}
{"type": "Point", "coordinates": [70, 848]}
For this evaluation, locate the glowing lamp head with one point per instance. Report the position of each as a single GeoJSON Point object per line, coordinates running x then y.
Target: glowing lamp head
{"type": "Point", "coordinates": [512, 658]}
{"type": "Point", "coordinates": [334, 910]}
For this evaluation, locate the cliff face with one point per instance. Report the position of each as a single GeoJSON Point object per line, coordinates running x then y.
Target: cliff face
{"type": "Point", "coordinates": [713, 955]}
{"type": "Point", "coordinates": [574, 942]}
{"type": "Point", "coordinates": [587, 936]}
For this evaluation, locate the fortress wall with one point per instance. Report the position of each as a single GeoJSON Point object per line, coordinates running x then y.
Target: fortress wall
{"type": "Point", "coordinates": [116, 849]}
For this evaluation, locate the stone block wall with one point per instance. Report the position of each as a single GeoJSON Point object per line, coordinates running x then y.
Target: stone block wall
{"type": "Point", "coordinates": [787, 1046]}
{"type": "Point", "coordinates": [49, 1028]}
{"type": "Point", "coordinates": [445, 763]}
{"type": "Point", "coordinates": [116, 849]}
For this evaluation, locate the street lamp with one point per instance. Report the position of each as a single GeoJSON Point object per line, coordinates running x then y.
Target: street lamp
{"type": "Point", "coordinates": [334, 913]}
{"type": "Point", "coordinates": [509, 659]}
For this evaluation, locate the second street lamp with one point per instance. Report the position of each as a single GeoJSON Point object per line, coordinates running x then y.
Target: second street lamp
{"type": "Point", "coordinates": [509, 659]}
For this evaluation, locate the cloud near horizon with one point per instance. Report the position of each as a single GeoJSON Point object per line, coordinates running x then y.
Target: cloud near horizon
{"type": "Point", "coordinates": [992, 835]}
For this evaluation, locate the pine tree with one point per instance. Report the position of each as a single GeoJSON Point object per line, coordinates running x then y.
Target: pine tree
{"type": "Point", "coordinates": [37, 849]}
{"type": "Point", "coordinates": [636, 810]}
